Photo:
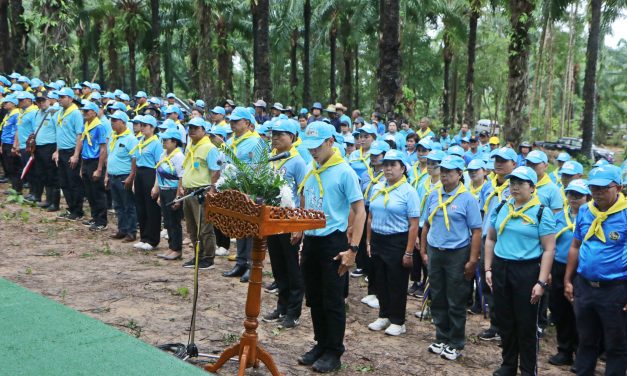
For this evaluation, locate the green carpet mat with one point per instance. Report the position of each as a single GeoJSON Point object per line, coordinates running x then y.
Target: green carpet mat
{"type": "Point", "coordinates": [39, 336]}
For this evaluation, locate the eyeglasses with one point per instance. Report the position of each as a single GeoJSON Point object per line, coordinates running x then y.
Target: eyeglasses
{"type": "Point", "coordinates": [601, 189]}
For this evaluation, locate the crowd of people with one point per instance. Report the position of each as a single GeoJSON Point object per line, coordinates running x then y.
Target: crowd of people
{"type": "Point", "coordinates": [458, 219]}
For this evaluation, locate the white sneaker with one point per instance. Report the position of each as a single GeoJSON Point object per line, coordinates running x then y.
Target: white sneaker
{"type": "Point", "coordinates": [147, 247]}
{"type": "Point", "coordinates": [423, 314]}
{"type": "Point", "coordinates": [379, 324]}
{"type": "Point", "coordinates": [367, 298]}
{"type": "Point", "coordinates": [221, 251]}
{"type": "Point", "coordinates": [164, 233]}
{"type": "Point", "coordinates": [139, 245]}
{"type": "Point", "coordinates": [395, 330]}
{"type": "Point", "coordinates": [373, 303]}
{"type": "Point", "coordinates": [450, 353]}
{"type": "Point", "coordinates": [436, 348]}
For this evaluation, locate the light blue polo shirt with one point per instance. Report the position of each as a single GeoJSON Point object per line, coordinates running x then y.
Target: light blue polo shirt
{"type": "Point", "coordinates": [168, 177]}
{"type": "Point", "coordinates": [562, 244]}
{"type": "Point", "coordinates": [550, 196]}
{"type": "Point", "coordinates": [8, 131]}
{"type": "Point", "coordinates": [469, 155]}
{"type": "Point", "coordinates": [47, 133]}
{"type": "Point", "coordinates": [357, 165]}
{"type": "Point", "coordinates": [98, 137]}
{"type": "Point", "coordinates": [150, 154]}
{"type": "Point", "coordinates": [393, 218]}
{"type": "Point", "coordinates": [520, 240]}
{"type": "Point", "coordinates": [341, 189]}
{"type": "Point", "coordinates": [107, 125]}
{"type": "Point", "coordinates": [293, 172]}
{"type": "Point", "coordinates": [249, 150]}
{"type": "Point", "coordinates": [411, 157]}
{"type": "Point", "coordinates": [463, 214]}
{"type": "Point", "coordinates": [67, 130]}
{"type": "Point", "coordinates": [398, 139]}
{"type": "Point", "coordinates": [25, 127]}
{"type": "Point", "coordinates": [118, 160]}
{"type": "Point", "coordinates": [445, 141]}
{"type": "Point", "coordinates": [364, 180]}
{"type": "Point", "coordinates": [600, 261]}
{"type": "Point", "coordinates": [305, 154]}
{"type": "Point", "coordinates": [494, 203]}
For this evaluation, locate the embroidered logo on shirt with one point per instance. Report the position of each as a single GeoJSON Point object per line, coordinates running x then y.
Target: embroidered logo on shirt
{"type": "Point", "coordinates": [614, 235]}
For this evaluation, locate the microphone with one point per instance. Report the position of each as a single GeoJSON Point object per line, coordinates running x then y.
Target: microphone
{"type": "Point", "coordinates": [279, 156]}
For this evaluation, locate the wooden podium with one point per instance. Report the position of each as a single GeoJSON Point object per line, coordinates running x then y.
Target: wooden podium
{"type": "Point", "coordinates": [237, 216]}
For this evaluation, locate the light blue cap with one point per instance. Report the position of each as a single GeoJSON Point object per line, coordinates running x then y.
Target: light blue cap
{"type": "Point", "coordinates": [95, 96]}
{"type": "Point", "coordinates": [170, 95]}
{"type": "Point", "coordinates": [36, 82]}
{"type": "Point", "coordinates": [368, 128]}
{"type": "Point", "coordinates": [150, 120]}
{"type": "Point", "coordinates": [218, 110]}
{"type": "Point", "coordinates": [95, 86]}
{"type": "Point", "coordinates": [563, 157]}
{"type": "Point", "coordinates": [196, 122]}
{"type": "Point", "coordinates": [304, 111]}
{"type": "Point", "coordinates": [379, 147]}
{"type": "Point", "coordinates": [173, 109]}
{"type": "Point", "coordinates": [24, 95]}
{"type": "Point", "coordinates": [89, 106]}
{"type": "Point", "coordinates": [66, 92]}
{"type": "Point", "coordinates": [16, 87]}
{"type": "Point", "coordinates": [346, 120]}
{"type": "Point", "coordinates": [425, 143]}
{"type": "Point", "coordinates": [436, 145]}
{"type": "Point", "coordinates": [53, 94]}
{"type": "Point", "coordinates": [476, 164]}
{"type": "Point", "coordinates": [453, 162]}
{"type": "Point", "coordinates": [466, 139]}
{"type": "Point", "coordinates": [395, 155]}
{"type": "Point", "coordinates": [124, 97]}
{"type": "Point", "coordinates": [171, 133]}
{"type": "Point", "coordinates": [15, 75]}
{"type": "Point", "coordinates": [138, 119]}
{"type": "Point", "coordinates": [23, 79]}
{"type": "Point", "coordinates": [168, 123]}
{"type": "Point", "coordinates": [578, 185]}
{"type": "Point", "coordinates": [119, 115]}
{"type": "Point", "coordinates": [283, 126]}
{"type": "Point", "coordinates": [524, 173]}
{"type": "Point", "coordinates": [217, 130]}
{"type": "Point", "coordinates": [86, 83]}
{"type": "Point", "coordinates": [200, 103]}
{"type": "Point", "coordinates": [506, 153]}
{"type": "Point", "coordinates": [316, 133]}
{"type": "Point", "coordinates": [118, 92]}
{"type": "Point", "coordinates": [154, 100]}
{"type": "Point", "coordinates": [239, 113]}
{"type": "Point", "coordinates": [109, 95]}
{"type": "Point", "coordinates": [5, 81]}
{"type": "Point", "coordinates": [537, 156]}
{"type": "Point", "coordinates": [10, 98]}
{"type": "Point", "coordinates": [117, 105]}
{"type": "Point", "coordinates": [141, 94]}
{"type": "Point", "coordinates": [604, 175]}
{"type": "Point", "coordinates": [436, 155]}
{"type": "Point", "coordinates": [349, 139]}
{"type": "Point", "coordinates": [61, 83]}
{"type": "Point", "coordinates": [571, 168]}
{"type": "Point", "coordinates": [456, 150]}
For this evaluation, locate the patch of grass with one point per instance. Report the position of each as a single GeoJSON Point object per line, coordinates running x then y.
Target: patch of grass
{"type": "Point", "coordinates": [105, 250]}
{"type": "Point", "coordinates": [51, 232]}
{"type": "Point", "coordinates": [86, 255]}
{"type": "Point", "coordinates": [268, 274]}
{"type": "Point", "coordinates": [101, 310]}
{"type": "Point", "coordinates": [276, 331]}
{"type": "Point", "coordinates": [53, 254]}
{"type": "Point", "coordinates": [230, 338]}
{"type": "Point", "coordinates": [365, 368]}
{"type": "Point", "coordinates": [24, 216]}
{"type": "Point", "coordinates": [29, 270]}
{"type": "Point", "coordinates": [134, 327]}
{"type": "Point", "coordinates": [63, 295]}
{"type": "Point", "coordinates": [183, 292]}
{"type": "Point", "coordinates": [46, 220]}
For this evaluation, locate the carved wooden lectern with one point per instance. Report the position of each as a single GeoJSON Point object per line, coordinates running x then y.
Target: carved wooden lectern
{"type": "Point", "coordinates": [237, 216]}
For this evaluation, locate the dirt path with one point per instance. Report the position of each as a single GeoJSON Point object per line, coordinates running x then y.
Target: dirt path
{"type": "Point", "coordinates": [151, 299]}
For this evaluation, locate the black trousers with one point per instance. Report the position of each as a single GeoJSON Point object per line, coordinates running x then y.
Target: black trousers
{"type": "Point", "coordinates": [12, 167]}
{"type": "Point", "coordinates": [30, 176]}
{"type": "Point", "coordinates": [286, 271]}
{"type": "Point", "coordinates": [172, 219]}
{"type": "Point", "coordinates": [324, 289]}
{"type": "Point", "coordinates": [562, 312]}
{"type": "Point", "coordinates": [95, 192]}
{"type": "Point", "coordinates": [599, 312]}
{"type": "Point", "coordinates": [419, 271]}
{"type": "Point", "coordinates": [148, 212]}
{"type": "Point", "coordinates": [487, 292]}
{"type": "Point", "coordinates": [516, 317]}
{"type": "Point", "coordinates": [46, 174]}
{"type": "Point", "coordinates": [363, 261]}
{"type": "Point", "coordinates": [71, 182]}
{"type": "Point", "coordinates": [221, 239]}
{"type": "Point", "coordinates": [391, 277]}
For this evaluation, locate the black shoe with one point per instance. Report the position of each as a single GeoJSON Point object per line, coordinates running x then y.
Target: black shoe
{"type": "Point", "coordinates": [272, 288]}
{"type": "Point", "coordinates": [43, 204]}
{"type": "Point", "coordinates": [118, 235]}
{"type": "Point", "coordinates": [4, 180]}
{"type": "Point", "coordinates": [30, 198]}
{"type": "Point", "coordinates": [289, 323]}
{"type": "Point", "coordinates": [504, 371]}
{"type": "Point", "coordinates": [96, 227]}
{"type": "Point", "coordinates": [311, 356]}
{"type": "Point", "coordinates": [561, 359]}
{"type": "Point", "coordinates": [474, 310]}
{"type": "Point", "coordinates": [273, 316]}
{"type": "Point", "coordinates": [540, 332]}
{"type": "Point", "coordinates": [205, 264]}
{"type": "Point", "coordinates": [237, 271]}
{"type": "Point", "coordinates": [490, 335]}
{"type": "Point", "coordinates": [52, 208]}
{"type": "Point", "coordinates": [74, 217]}
{"type": "Point", "coordinates": [413, 288]}
{"type": "Point", "coordinates": [246, 277]}
{"type": "Point", "coordinates": [327, 363]}
{"type": "Point", "coordinates": [573, 369]}
{"type": "Point", "coordinates": [88, 222]}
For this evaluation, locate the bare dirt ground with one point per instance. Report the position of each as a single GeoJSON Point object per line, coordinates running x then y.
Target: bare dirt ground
{"type": "Point", "coordinates": [151, 299]}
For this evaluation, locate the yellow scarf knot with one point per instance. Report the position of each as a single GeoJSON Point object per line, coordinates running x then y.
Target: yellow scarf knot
{"type": "Point", "coordinates": [442, 205]}
{"type": "Point", "coordinates": [386, 191]}
{"type": "Point", "coordinates": [88, 128]}
{"type": "Point", "coordinates": [115, 136]}
{"type": "Point", "coordinates": [142, 144]}
{"type": "Point", "coordinates": [520, 213]}
{"type": "Point", "coordinates": [335, 160]}
{"type": "Point", "coordinates": [596, 228]}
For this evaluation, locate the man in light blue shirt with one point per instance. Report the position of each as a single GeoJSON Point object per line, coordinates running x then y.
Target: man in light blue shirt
{"type": "Point", "coordinates": [94, 156]}
{"type": "Point", "coordinates": [548, 192]}
{"type": "Point", "coordinates": [46, 171]}
{"type": "Point", "coordinates": [25, 128]}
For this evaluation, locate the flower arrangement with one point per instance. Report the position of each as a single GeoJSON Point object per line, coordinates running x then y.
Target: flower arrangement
{"type": "Point", "coordinates": [260, 181]}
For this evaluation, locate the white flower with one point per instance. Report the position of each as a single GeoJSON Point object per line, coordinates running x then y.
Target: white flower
{"type": "Point", "coordinates": [286, 196]}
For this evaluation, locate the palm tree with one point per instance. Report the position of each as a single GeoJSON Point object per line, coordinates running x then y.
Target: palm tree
{"type": "Point", "coordinates": [154, 57]}
{"type": "Point", "coordinates": [589, 83]}
{"type": "Point", "coordinates": [18, 36]}
{"type": "Point", "coordinates": [475, 12]}
{"type": "Point", "coordinates": [133, 23]}
{"type": "Point", "coordinates": [306, 47]}
{"type": "Point", "coordinates": [261, 59]}
{"type": "Point", "coordinates": [389, 57]}
{"type": "Point", "coordinates": [6, 63]}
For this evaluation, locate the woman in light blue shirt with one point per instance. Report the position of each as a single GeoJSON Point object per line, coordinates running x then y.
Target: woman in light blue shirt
{"type": "Point", "coordinates": [519, 251]}
{"type": "Point", "coordinates": [392, 230]}
{"type": "Point", "coordinates": [450, 245]}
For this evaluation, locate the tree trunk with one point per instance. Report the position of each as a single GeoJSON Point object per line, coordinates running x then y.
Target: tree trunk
{"type": "Point", "coordinates": [589, 84]}
{"type": "Point", "coordinates": [154, 58]}
{"type": "Point", "coordinates": [518, 78]}
{"type": "Point", "coordinates": [204, 53]}
{"type": "Point", "coordinates": [546, 22]}
{"type": "Point", "coordinates": [332, 50]}
{"type": "Point", "coordinates": [453, 95]}
{"type": "Point", "coordinates": [293, 64]}
{"type": "Point", "coordinates": [262, 88]}
{"type": "Point", "coordinates": [306, 70]}
{"type": "Point", "coordinates": [389, 57]}
{"type": "Point", "coordinates": [548, 120]}
{"type": "Point", "coordinates": [225, 84]}
{"type": "Point", "coordinates": [81, 33]}
{"type": "Point", "coordinates": [101, 70]}
{"type": "Point", "coordinates": [568, 71]}
{"type": "Point", "coordinates": [132, 65]}
{"type": "Point", "coordinates": [19, 37]}
{"type": "Point", "coordinates": [447, 53]}
{"type": "Point", "coordinates": [347, 85]}
{"type": "Point", "coordinates": [475, 12]}
{"type": "Point", "coordinates": [357, 78]}
{"type": "Point", "coordinates": [6, 63]}
{"type": "Point", "coordinates": [167, 62]}
{"type": "Point", "coordinates": [114, 75]}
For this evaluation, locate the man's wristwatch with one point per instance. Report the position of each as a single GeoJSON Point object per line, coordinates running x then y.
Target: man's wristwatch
{"type": "Point", "coordinates": [544, 285]}
{"type": "Point", "coordinates": [354, 248]}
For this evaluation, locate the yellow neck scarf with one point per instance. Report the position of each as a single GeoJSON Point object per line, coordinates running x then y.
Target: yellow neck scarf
{"type": "Point", "coordinates": [520, 213]}
{"type": "Point", "coordinates": [191, 149]}
{"type": "Point", "coordinates": [570, 226]}
{"type": "Point", "coordinates": [142, 144]}
{"type": "Point", "coordinates": [418, 176]}
{"type": "Point", "coordinates": [115, 136]}
{"type": "Point", "coordinates": [27, 110]}
{"type": "Point", "coordinates": [475, 191]}
{"type": "Point", "coordinates": [428, 190]}
{"type": "Point", "coordinates": [239, 140]}
{"type": "Point", "coordinates": [335, 160]}
{"type": "Point", "coordinates": [139, 108]}
{"type": "Point", "coordinates": [544, 181]}
{"type": "Point", "coordinates": [8, 116]}
{"type": "Point", "coordinates": [167, 158]}
{"type": "Point", "coordinates": [423, 134]}
{"type": "Point", "coordinates": [386, 191]}
{"type": "Point", "coordinates": [278, 164]}
{"type": "Point", "coordinates": [372, 182]}
{"type": "Point", "coordinates": [88, 127]}
{"type": "Point", "coordinates": [498, 192]}
{"type": "Point", "coordinates": [596, 228]}
{"type": "Point", "coordinates": [442, 205]}
{"type": "Point", "coordinates": [66, 113]}
{"type": "Point", "coordinates": [364, 159]}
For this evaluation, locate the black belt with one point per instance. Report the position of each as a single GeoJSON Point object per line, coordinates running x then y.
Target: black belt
{"type": "Point", "coordinates": [448, 249]}
{"type": "Point", "coordinates": [603, 284]}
